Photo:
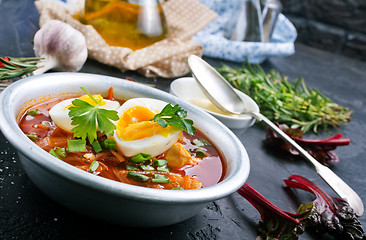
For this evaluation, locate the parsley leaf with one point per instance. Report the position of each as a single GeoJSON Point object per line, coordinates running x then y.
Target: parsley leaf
{"type": "Point", "coordinates": [88, 119]}
{"type": "Point", "coordinates": [174, 116]}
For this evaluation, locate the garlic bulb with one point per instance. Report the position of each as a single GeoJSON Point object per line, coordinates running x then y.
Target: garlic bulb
{"type": "Point", "coordinates": [62, 47]}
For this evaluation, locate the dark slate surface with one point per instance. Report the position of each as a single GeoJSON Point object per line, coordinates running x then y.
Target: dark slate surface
{"type": "Point", "coordinates": [335, 25]}
{"type": "Point", "coordinates": [27, 213]}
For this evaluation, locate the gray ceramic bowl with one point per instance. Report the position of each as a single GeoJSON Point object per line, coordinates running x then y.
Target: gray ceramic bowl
{"type": "Point", "coordinates": [103, 198]}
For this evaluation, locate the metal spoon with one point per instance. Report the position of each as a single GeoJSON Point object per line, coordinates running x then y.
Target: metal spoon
{"type": "Point", "coordinates": [222, 95]}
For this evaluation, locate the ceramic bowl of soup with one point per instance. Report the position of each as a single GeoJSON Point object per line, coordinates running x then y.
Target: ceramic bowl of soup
{"type": "Point", "coordinates": [107, 199]}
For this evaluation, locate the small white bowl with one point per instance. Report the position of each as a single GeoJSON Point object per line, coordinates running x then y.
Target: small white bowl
{"type": "Point", "coordinates": [188, 89]}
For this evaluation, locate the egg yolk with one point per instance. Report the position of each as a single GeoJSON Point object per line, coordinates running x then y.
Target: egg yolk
{"type": "Point", "coordinates": [135, 124]}
{"type": "Point", "coordinates": [87, 99]}
{"type": "Point", "coordinates": [97, 97]}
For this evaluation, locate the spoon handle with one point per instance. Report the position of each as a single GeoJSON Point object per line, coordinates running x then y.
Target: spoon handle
{"type": "Point", "coordinates": [335, 182]}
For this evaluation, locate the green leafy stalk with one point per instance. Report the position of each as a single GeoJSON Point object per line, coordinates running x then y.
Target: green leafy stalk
{"type": "Point", "coordinates": [174, 116]}
{"type": "Point", "coordinates": [88, 119]}
{"type": "Point", "coordinates": [281, 101]}
{"type": "Point", "coordinates": [89, 95]}
{"type": "Point", "coordinates": [16, 67]}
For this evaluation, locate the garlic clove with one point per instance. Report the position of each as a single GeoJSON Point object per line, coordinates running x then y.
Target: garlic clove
{"type": "Point", "coordinates": [62, 47]}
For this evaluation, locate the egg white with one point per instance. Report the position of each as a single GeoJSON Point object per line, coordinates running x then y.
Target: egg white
{"type": "Point", "coordinates": [60, 113]}
{"type": "Point", "coordinates": [154, 145]}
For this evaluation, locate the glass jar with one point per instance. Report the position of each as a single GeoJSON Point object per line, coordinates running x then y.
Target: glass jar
{"type": "Point", "coordinates": [134, 24]}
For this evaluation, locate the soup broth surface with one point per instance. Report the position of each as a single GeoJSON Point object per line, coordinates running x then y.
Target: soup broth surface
{"type": "Point", "coordinates": [209, 170]}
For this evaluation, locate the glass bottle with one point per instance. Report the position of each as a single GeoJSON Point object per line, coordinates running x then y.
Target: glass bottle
{"type": "Point", "coordinates": [271, 10]}
{"type": "Point", "coordinates": [249, 23]}
{"type": "Point", "coordinates": [134, 24]}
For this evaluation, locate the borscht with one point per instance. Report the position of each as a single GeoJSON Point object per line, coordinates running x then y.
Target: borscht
{"type": "Point", "coordinates": [142, 141]}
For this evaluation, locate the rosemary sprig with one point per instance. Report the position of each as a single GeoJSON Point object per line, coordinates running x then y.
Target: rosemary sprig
{"type": "Point", "coordinates": [11, 67]}
{"type": "Point", "coordinates": [285, 102]}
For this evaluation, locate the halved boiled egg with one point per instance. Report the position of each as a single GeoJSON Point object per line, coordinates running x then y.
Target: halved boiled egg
{"type": "Point", "coordinates": [136, 133]}
{"type": "Point", "coordinates": [60, 112]}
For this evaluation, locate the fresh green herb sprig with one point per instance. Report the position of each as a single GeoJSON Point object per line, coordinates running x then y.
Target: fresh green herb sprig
{"type": "Point", "coordinates": [175, 116]}
{"type": "Point", "coordinates": [11, 67]}
{"type": "Point", "coordinates": [88, 119]}
{"type": "Point", "coordinates": [285, 102]}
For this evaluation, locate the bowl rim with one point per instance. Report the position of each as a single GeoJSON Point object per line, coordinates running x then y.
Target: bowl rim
{"type": "Point", "coordinates": [18, 139]}
{"type": "Point", "coordinates": [243, 117]}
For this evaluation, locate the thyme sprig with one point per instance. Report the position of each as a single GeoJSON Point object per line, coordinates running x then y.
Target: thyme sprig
{"type": "Point", "coordinates": [285, 102]}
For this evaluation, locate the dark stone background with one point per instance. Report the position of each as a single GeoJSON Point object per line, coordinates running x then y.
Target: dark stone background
{"type": "Point", "coordinates": [338, 26]}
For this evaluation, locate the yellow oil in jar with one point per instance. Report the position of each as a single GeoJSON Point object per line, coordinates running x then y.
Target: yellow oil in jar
{"type": "Point", "coordinates": [134, 24]}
